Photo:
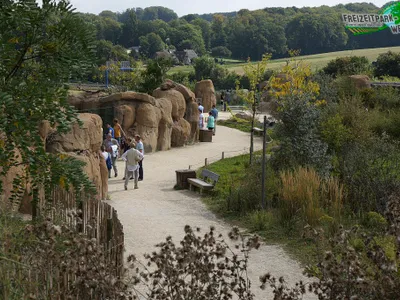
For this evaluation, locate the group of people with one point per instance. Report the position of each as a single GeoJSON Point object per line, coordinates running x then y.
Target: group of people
{"type": "Point", "coordinates": [211, 120]}
{"type": "Point", "coordinates": [118, 144]}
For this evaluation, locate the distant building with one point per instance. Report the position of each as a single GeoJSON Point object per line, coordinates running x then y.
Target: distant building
{"type": "Point", "coordinates": [134, 51]}
{"type": "Point", "coordinates": [186, 56]}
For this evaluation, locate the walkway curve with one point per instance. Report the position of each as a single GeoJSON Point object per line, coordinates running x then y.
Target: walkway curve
{"type": "Point", "coordinates": [156, 210]}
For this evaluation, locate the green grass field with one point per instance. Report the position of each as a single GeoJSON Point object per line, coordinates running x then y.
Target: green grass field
{"type": "Point", "coordinates": [317, 61]}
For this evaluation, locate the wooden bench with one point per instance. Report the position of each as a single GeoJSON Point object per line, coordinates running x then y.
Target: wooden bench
{"type": "Point", "coordinates": [204, 183]}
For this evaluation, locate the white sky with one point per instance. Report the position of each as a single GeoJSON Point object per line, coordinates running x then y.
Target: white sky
{"type": "Point", "coordinates": [183, 7]}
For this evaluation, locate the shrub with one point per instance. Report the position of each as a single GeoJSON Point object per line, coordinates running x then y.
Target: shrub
{"type": "Point", "coordinates": [374, 221]}
{"type": "Point", "coordinates": [298, 132]}
{"type": "Point", "coordinates": [260, 220]}
{"type": "Point", "coordinates": [221, 51]}
{"type": "Point", "coordinates": [328, 90]}
{"type": "Point", "coordinates": [370, 172]}
{"type": "Point", "coordinates": [334, 132]}
{"type": "Point", "coordinates": [203, 67]}
{"type": "Point", "coordinates": [48, 261]}
{"type": "Point", "coordinates": [348, 66]}
{"type": "Point", "coordinates": [300, 196]}
{"type": "Point", "coordinates": [304, 196]}
{"type": "Point", "coordinates": [387, 64]}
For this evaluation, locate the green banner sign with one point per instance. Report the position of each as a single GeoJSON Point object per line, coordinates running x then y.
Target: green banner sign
{"type": "Point", "coordinates": [387, 18]}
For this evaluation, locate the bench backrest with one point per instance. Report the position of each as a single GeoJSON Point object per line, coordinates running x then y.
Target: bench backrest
{"type": "Point", "coordinates": [208, 175]}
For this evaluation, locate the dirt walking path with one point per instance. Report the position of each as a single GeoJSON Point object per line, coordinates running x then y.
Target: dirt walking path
{"type": "Point", "coordinates": [156, 210]}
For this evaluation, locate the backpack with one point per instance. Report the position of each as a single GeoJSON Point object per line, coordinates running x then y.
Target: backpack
{"type": "Point", "coordinates": [114, 149]}
{"type": "Point", "coordinates": [108, 162]}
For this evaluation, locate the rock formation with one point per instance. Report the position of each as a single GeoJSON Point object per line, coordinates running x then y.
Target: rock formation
{"type": "Point", "coordinates": [167, 119]}
{"type": "Point", "coordinates": [83, 143]}
{"type": "Point", "coordinates": [205, 91]}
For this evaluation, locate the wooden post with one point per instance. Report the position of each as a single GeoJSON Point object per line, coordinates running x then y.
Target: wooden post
{"type": "Point", "coordinates": [189, 167]}
{"type": "Point", "coordinates": [205, 162]}
{"type": "Point", "coordinates": [263, 205]}
{"type": "Point", "coordinates": [223, 155]}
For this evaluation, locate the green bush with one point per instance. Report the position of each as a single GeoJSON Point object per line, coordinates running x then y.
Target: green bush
{"type": "Point", "coordinates": [260, 220]}
{"type": "Point", "coordinates": [328, 90]}
{"type": "Point", "coordinates": [374, 221]}
{"type": "Point", "coordinates": [348, 66]}
{"type": "Point", "coordinates": [370, 172]}
{"type": "Point", "coordinates": [300, 141]}
{"type": "Point", "coordinates": [221, 51]}
{"type": "Point", "coordinates": [334, 132]}
{"type": "Point", "coordinates": [387, 64]}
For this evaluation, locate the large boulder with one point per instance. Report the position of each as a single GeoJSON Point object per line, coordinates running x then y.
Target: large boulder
{"type": "Point", "coordinates": [126, 115]}
{"type": "Point", "coordinates": [94, 170]}
{"type": "Point", "coordinates": [83, 143]}
{"type": "Point", "coordinates": [180, 133]}
{"type": "Point", "coordinates": [104, 177]}
{"type": "Point", "coordinates": [192, 116]}
{"type": "Point", "coordinates": [128, 96]}
{"type": "Point", "coordinates": [360, 81]}
{"type": "Point", "coordinates": [244, 116]}
{"type": "Point", "coordinates": [165, 124]}
{"type": "Point", "coordinates": [87, 137]}
{"type": "Point", "coordinates": [205, 91]}
{"type": "Point", "coordinates": [177, 100]}
{"type": "Point", "coordinates": [147, 120]}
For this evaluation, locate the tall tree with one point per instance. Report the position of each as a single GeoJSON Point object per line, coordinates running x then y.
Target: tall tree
{"type": "Point", "coordinates": [315, 33]}
{"type": "Point", "coordinates": [219, 37]}
{"type": "Point", "coordinates": [129, 36]}
{"type": "Point", "coordinates": [206, 32]}
{"type": "Point", "coordinates": [150, 44]}
{"type": "Point", "coordinates": [42, 47]}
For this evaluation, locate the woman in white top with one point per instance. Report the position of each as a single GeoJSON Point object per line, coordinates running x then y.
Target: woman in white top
{"type": "Point", "coordinates": [107, 157]}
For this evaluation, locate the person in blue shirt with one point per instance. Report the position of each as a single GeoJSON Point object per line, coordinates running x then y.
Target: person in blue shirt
{"type": "Point", "coordinates": [214, 112]}
{"type": "Point", "coordinates": [140, 148]}
{"type": "Point", "coordinates": [210, 121]}
{"type": "Point", "coordinates": [110, 130]}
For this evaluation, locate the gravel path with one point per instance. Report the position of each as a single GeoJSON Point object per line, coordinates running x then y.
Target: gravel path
{"type": "Point", "coordinates": [156, 210]}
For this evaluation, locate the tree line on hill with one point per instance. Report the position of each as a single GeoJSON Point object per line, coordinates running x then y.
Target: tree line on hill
{"type": "Point", "coordinates": [239, 35]}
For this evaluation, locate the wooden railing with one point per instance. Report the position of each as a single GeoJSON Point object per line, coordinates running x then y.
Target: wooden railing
{"type": "Point", "coordinates": [96, 219]}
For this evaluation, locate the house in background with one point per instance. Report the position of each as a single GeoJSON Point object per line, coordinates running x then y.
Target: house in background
{"type": "Point", "coordinates": [134, 51]}
{"type": "Point", "coordinates": [169, 54]}
{"type": "Point", "coordinates": [186, 56]}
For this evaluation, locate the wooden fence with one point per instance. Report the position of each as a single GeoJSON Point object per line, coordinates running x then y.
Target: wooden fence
{"type": "Point", "coordinates": [95, 218]}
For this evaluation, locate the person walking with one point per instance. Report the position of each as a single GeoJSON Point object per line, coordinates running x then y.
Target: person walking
{"type": "Point", "coordinates": [107, 157]}
{"type": "Point", "coordinates": [111, 145]}
{"type": "Point", "coordinates": [132, 157]}
{"type": "Point", "coordinates": [140, 148]}
{"type": "Point", "coordinates": [214, 112]}
{"type": "Point", "coordinates": [210, 122]}
{"type": "Point", "coordinates": [110, 130]}
{"type": "Point", "coordinates": [118, 131]}
{"type": "Point", "coordinates": [201, 116]}
{"type": "Point", "coordinates": [126, 146]}
{"type": "Point", "coordinates": [222, 100]}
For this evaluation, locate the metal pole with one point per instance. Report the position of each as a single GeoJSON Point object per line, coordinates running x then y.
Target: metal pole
{"type": "Point", "coordinates": [263, 204]}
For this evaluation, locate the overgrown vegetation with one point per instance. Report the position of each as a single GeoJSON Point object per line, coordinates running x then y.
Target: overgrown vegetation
{"type": "Point", "coordinates": [336, 164]}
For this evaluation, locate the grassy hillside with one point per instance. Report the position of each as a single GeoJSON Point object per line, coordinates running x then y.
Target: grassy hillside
{"type": "Point", "coordinates": [317, 61]}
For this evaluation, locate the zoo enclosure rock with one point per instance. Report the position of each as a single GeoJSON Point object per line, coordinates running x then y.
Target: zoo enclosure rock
{"type": "Point", "coordinates": [83, 143]}
{"type": "Point", "coordinates": [205, 90]}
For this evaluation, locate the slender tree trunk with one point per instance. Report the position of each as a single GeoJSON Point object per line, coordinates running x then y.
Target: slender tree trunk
{"type": "Point", "coordinates": [252, 131]}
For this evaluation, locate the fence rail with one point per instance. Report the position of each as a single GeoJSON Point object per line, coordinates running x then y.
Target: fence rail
{"type": "Point", "coordinates": [215, 158]}
{"type": "Point", "coordinates": [94, 218]}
